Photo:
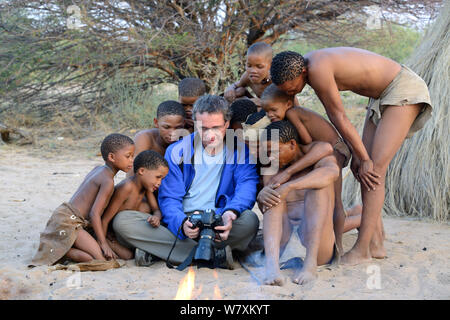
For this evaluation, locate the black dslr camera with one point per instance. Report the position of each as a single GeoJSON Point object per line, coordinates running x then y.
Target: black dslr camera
{"type": "Point", "coordinates": [206, 221]}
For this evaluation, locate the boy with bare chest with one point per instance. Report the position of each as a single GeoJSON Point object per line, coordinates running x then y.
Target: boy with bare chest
{"type": "Point", "coordinates": [149, 169]}
{"type": "Point", "coordinates": [65, 234]}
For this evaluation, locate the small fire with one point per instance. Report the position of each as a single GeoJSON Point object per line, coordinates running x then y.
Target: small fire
{"type": "Point", "coordinates": [217, 294]}
{"type": "Point", "coordinates": [186, 286]}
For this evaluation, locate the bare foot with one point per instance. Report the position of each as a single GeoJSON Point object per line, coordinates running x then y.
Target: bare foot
{"type": "Point", "coordinates": [274, 278]}
{"type": "Point", "coordinates": [304, 276]}
{"type": "Point", "coordinates": [377, 251]}
{"type": "Point", "coordinates": [354, 257]}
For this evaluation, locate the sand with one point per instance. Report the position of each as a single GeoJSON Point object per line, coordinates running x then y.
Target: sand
{"type": "Point", "coordinates": [32, 186]}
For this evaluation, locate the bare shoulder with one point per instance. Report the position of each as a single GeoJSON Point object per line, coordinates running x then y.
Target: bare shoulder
{"type": "Point", "coordinates": [308, 114]}
{"type": "Point", "coordinates": [146, 136]}
{"type": "Point", "coordinates": [103, 177]}
{"type": "Point", "coordinates": [328, 161]}
{"type": "Point", "coordinates": [145, 139]}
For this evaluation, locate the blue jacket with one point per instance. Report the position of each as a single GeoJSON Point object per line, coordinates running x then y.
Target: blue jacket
{"type": "Point", "coordinates": [237, 186]}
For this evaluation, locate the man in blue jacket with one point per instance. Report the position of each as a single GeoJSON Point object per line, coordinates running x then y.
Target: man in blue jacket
{"type": "Point", "coordinates": [208, 169]}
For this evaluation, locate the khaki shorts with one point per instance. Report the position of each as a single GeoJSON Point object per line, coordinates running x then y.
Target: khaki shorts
{"type": "Point", "coordinates": [343, 149]}
{"type": "Point", "coordinates": [407, 88]}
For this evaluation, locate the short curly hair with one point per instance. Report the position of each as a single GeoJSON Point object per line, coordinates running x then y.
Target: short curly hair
{"type": "Point", "coordinates": [150, 160]}
{"type": "Point", "coordinates": [241, 109]}
{"type": "Point", "coordinates": [170, 107]}
{"type": "Point", "coordinates": [260, 48]}
{"type": "Point", "coordinates": [191, 87]}
{"type": "Point", "coordinates": [286, 131]}
{"type": "Point", "coordinates": [286, 65]}
{"type": "Point", "coordinates": [113, 143]}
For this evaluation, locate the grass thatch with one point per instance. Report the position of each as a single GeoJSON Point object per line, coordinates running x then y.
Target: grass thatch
{"type": "Point", "coordinates": [418, 179]}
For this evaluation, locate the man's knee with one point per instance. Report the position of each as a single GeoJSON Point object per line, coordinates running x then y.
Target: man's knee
{"type": "Point", "coordinates": [124, 222]}
{"type": "Point", "coordinates": [250, 221]}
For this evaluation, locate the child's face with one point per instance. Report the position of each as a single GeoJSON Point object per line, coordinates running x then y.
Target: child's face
{"type": "Point", "coordinates": [151, 179]}
{"type": "Point", "coordinates": [258, 67]}
{"type": "Point", "coordinates": [123, 158]}
{"type": "Point", "coordinates": [275, 110]}
{"type": "Point", "coordinates": [188, 103]}
{"type": "Point", "coordinates": [168, 126]}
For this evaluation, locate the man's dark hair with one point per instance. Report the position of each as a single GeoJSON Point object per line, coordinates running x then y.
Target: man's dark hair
{"type": "Point", "coordinates": [150, 160]}
{"type": "Point", "coordinates": [255, 117]}
{"type": "Point", "coordinates": [286, 65]}
{"type": "Point", "coordinates": [113, 143]}
{"type": "Point", "coordinates": [286, 131]}
{"type": "Point", "coordinates": [260, 48]}
{"type": "Point", "coordinates": [273, 93]}
{"type": "Point", "coordinates": [241, 109]}
{"type": "Point", "coordinates": [170, 107]}
{"type": "Point", "coordinates": [191, 87]}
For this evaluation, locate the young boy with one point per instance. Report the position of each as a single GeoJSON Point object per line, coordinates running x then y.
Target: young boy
{"type": "Point", "coordinates": [65, 234]}
{"type": "Point", "coordinates": [241, 109]}
{"type": "Point", "coordinates": [169, 125]}
{"type": "Point", "coordinates": [310, 127]}
{"type": "Point", "coordinates": [189, 90]}
{"type": "Point", "coordinates": [150, 168]}
{"type": "Point", "coordinates": [169, 121]}
{"type": "Point", "coordinates": [256, 75]}
{"type": "Point", "coordinates": [399, 105]}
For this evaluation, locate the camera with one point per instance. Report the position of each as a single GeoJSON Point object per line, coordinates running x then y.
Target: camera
{"type": "Point", "coordinates": [206, 221]}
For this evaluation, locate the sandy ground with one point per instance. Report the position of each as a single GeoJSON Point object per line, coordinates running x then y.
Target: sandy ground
{"type": "Point", "coordinates": [31, 187]}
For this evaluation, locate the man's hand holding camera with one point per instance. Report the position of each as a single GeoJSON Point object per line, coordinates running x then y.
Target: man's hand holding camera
{"type": "Point", "coordinates": [227, 218]}
{"type": "Point", "coordinates": [189, 230]}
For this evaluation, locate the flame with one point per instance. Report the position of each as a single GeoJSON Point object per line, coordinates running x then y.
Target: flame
{"type": "Point", "coordinates": [186, 286]}
{"type": "Point", "coordinates": [217, 294]}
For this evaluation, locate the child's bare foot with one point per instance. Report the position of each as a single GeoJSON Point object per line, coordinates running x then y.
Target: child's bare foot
{"type": "Point", "coordinates": [305, 275]}
{"type": "Point", "coordinates": [274, 279]}
{"type": "Point", "coordinates": [354, 257]}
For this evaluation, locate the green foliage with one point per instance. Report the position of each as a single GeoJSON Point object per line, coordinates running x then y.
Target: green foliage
{"type": "Point", "coordinates": [395, 42]}
{"type": "Point", "coordinates": [132, 106]}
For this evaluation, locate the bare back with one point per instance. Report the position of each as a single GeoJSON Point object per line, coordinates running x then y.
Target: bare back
{"type": "Point", "coordinates": [88, 191]}
{"type": "Point", "coordinates": [360, 71]}
{"type": "Point", "coordinates": [318, 127]}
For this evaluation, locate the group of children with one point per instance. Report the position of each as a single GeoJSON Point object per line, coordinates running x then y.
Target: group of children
{"type": "Point", "coordinates": [274, 82]}
{"type": "Point", "coordinates": [78, 229]}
